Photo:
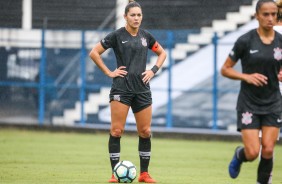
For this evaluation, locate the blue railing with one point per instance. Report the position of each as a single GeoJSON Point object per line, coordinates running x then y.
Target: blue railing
{"type": "Point", "coordinates": [83, 87]}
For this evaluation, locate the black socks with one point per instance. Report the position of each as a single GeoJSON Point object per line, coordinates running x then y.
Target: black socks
{"type": "Point", "coordinates": [264, 170]}
{"type": "Point", "coordinates": [241, 155]}
{"type": "Point", "coordinates": [144, 149]}
{"type": "Point", "coordinates": [114, 150]}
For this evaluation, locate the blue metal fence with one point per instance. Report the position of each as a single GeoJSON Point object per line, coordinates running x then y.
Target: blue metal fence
{"type": "Point", "coordinates": [81, 87]}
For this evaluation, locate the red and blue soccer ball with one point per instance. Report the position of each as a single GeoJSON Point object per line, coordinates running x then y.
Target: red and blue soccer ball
{"type": "Point", "coordinates": [125, 172]}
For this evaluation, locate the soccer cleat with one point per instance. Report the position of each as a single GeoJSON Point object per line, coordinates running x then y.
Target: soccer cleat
{"type": "Point", "coordinates": [235, 165]}
{"type": "Point", "coordinates": [113, 179]}
{"type": "Point", "coordinates": [146, 178]}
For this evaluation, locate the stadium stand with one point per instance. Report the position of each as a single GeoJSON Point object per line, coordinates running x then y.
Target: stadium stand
{"type": "Point", "coordinates": [183, 14]}
{"type": "Point", "coordinates": [90, 14]}
{"type": "Point", "coordinates": [193, 106]}
{"type": "Point", "coordinates": [11, 13]}
{"type": "Point", "coordinates": [178, 16]}
{"type": "Point", "coordinates": [72, 14]}
{"type": "Point", "coordinates": [199, 75]}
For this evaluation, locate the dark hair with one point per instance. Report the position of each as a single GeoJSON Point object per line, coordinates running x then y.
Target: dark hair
{"type": "Point", "coordinates": [131, 4]}
{"type": "Point", "coordinates": [279, 14]}
{"type": "Point", "coordinates": [261, 2]}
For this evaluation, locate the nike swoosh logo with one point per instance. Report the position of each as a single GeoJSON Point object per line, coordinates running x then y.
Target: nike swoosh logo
{"type": "Point", "coordinates": [124, 41]}
{"type": "Point", "coordinates": [114, 154]}
{"type": "Point", "coordinates": [279, 120]}
{"type": "Point", "coordinates": [253, 51]}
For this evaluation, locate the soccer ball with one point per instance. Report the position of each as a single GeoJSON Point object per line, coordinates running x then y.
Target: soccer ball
{"type": "Point", "coordinates": [125, 172]}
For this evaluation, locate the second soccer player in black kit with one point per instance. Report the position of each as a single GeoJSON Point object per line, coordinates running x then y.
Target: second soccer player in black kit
{"type": "Point", "coordinates": [130, 86]}
{"type": "Point", "coordinates": [259, 101]}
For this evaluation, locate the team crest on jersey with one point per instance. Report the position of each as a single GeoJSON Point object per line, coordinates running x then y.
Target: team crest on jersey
{"type": "Point", "coordinates": [247, 118]}
{"type": "Point", "coordinates": [144, 42]}
{"type": "Point", "coordinates": [277, 53]}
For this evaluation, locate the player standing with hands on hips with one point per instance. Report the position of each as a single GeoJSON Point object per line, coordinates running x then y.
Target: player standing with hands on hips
{"type": "Point", "coordinates": [130, 87]}
{"type": "Point", "coordinates": [259, 100]}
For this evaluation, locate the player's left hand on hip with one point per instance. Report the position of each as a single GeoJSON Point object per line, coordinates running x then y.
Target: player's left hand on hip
{"type": "Point", "coordinates": [148, 75]}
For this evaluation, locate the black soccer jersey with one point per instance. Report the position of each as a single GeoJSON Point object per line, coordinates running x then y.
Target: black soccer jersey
{"type": "Point", "coordinates": [130, 51]}
{"type": "Point", "coordinates": [257, 57]}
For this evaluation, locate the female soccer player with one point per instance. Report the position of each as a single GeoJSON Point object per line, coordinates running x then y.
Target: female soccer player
{"type": "Point", "coordinates": [130, 86]}
{"type": "Point", "coordinates": [259, 100]}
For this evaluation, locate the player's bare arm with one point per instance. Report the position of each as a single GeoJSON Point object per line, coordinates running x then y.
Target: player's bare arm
{"type": "Point", "coordinates": [256, 79]}
{"type": "Point", "coordinates": [95, 55]}
{"type": "Point", "coordinates": [280, 75]}
{"type": "Point", "coordinates": [148, 74]}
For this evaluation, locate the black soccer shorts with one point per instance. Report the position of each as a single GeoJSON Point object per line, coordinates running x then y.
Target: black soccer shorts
{"type": "Point", "coordinates": [137, 102]}
{"type": "Point", "coordinates": [247, 120]}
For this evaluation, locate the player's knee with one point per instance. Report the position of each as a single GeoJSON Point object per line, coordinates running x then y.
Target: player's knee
{"type": "Point", "coordinates": [117, 132]}
{"type": "Point", "coordinates": [252, 154]}
{"type": "Point", "coordinates": [145, 133]}
{"type": "Point", "coordinates": [267, 151]}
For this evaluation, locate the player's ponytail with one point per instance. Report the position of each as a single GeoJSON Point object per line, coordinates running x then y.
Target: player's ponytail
{"type": "Point", "coordinates": [279, 14]}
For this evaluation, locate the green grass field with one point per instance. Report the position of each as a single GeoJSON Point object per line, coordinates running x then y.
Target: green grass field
{"type": "Point", "coordinates": [44, 157]}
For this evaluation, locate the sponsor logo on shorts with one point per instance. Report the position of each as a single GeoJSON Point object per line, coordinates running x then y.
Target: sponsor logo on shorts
{"type": "Point", "coordinates": [279, 120]}
{"type": "Point", "coordinates": [247, 118]}
{"type": "Point", "coordinates": [116, 97]}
